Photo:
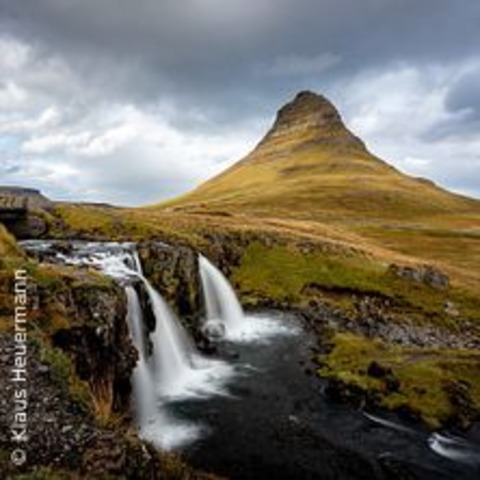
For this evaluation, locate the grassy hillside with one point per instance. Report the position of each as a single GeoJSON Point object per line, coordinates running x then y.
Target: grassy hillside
{"type": "Point", "coordinates": [310, 166]}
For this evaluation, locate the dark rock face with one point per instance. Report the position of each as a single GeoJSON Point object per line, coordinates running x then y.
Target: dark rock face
{"type": "Point", "coordinates": [57, 426]}
{"type": "Point", "coordinates": [312, 115]}
{"type": "Point", "coordinates": [425, 274]}
{"type": "Point", "coordinates": [378, 317]}
{"type": "Point", "coordinates": [226, 250]}
{"type": "Point", "coordinates": [31, 225]}
{"type": "Point", "coordinates": [20, 211]}
{"type": "Point", "coordinates": [28, 198]}
{"type": "Point", "coordinates": [98, 341]}
{"type": "Point", "coordinates": [173, 270]}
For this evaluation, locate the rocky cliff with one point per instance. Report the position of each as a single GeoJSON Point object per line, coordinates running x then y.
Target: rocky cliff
{"type": "Point", "coordinates": [308, 118]}
{"type": "Point", "coordinates": [23, 211]}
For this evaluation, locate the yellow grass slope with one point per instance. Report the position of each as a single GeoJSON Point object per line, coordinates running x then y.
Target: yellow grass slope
{"type": "Point", "coordinates": [310, 166]}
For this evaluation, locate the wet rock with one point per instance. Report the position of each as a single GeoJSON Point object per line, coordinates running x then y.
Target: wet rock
{"type": "Point", "coordinates": [43, 369]}
{"type": "Point", "coordinates": [379, 317]}
{"type": "Point", "coordinates": [376, 370]}
{"type": "Point", "coordinates": [173, 270]}
{"type": "Point", "coordinates": [64, 247]}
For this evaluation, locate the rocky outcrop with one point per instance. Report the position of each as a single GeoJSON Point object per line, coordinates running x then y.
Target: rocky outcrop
{"type": "Point", "coordinates": [379, 317]}
{"type": "Point", "coordinates": [425, 274]}
{"type": "Point", "coordinates": [65, 440]}
{"type": "Point", "coordinates": [59, 425]}
{"type": "Point", "coordinates": [90, 327]}
{"type": "Point", "coordinates": [26, 198]}
{"type": "Point", "coordinates": [22, 210]}
{"type": "Point", "coordinates": [309, 118]}
{"type": "Point", "coordinates": [173, 270]}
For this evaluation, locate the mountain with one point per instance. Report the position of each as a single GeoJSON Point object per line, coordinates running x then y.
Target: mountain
{"type": "Point", "coordinates": [311, 166]}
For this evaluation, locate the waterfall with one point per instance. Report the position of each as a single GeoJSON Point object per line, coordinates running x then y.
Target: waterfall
{"type": "Point", "coordinates": [172, 349]}
{"type": "Point", "coordinates": [174, 370]}
{"type": "Point", "coordinates": [144, 400]}
{"type": "Point", "coordinates": [137, 263]}
{"type": "Point", "coordinates": [220, 299]}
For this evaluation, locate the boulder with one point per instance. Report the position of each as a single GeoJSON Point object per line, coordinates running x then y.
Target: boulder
{"type": "Point", "coordinates": [425, 274]}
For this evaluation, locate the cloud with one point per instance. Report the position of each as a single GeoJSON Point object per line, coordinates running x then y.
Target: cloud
{"type": "Point", "coordinates": [136, 101]}
{"type": "Point", "coordinates": [297, 65]}
{"type": "Point", "coordinates": [401, 113]}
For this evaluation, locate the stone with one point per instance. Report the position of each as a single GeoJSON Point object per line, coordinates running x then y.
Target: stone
{"type": "Point", "coordinates": [376, 370]}
{"type": "Point", "coordinates": [43, 369]}
{"type": "Point", "coordinates": [451, 309]}
{"type": "Point", "coordinates": [425, 274]}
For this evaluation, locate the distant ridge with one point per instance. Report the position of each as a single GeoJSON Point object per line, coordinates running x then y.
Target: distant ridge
{"type": "Point", "coordinates": [309, 165]}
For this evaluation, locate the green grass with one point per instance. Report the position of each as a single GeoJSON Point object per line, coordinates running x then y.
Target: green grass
{"type": "Point", "coordinates": [284, 273]}
{"type": "Point", "coordinates": [436, 385]}
{"type": "Point", "coordinates": [64, 373]}
{"type": "Point", "coordinates": [8, 245]}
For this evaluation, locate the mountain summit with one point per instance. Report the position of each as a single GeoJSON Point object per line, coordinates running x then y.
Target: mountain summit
{"type": "Point", "coordinates": [309, 118]}
{"type": "Point", "coordinates": [310, 166]}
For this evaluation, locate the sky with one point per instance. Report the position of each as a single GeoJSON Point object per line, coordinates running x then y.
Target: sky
{"type": "Point", "coordinates": [132, 102]}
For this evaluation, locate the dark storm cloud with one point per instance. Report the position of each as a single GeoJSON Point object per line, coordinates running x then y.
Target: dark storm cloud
{"type": "Point", "coordinates": [205, 52]}
{"type": "Point", "coordinates": [464, 99]}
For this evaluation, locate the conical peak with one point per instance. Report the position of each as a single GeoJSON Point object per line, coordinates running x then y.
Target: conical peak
{"type": "Point", "coordinates": [309, 117]}
{"type": "Point", "coordinates": [306, 106]}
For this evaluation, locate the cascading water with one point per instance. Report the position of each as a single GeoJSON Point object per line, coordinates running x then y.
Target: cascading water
{"type": "Point", "coordinates": [137, 263]}
{"type": "Point", "coordinates": [456, 449]}
{"type": "Point", "coordinates": [168, 370]}
{"type": "Point", "coordinates": [144, 400]}
{"type": "Point", "coordinates": [154, 422]}
{"type": "Point", "coordinates": [171, 370]}
{"type": "Point", "coordinates": [172, 349]}
{"type": "Point", "coordinates": [225, 317]}
{"type": "Point", "coordinates": [220, 299]}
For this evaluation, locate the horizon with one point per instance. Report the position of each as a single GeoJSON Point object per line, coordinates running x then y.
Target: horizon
{"type": "Point", "coordinates": [130, 109]}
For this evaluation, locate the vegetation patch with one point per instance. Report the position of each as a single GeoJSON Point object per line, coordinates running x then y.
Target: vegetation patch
{"type": "Point", "coordinates": [438, 386]}
{"type": "Point", "coordinates": [286, 273]}
{"type": "Point", "coordinates": [64, 373]}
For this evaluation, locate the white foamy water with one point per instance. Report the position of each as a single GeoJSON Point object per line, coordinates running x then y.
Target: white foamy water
{"type": "Point", "coordinates": [169, 433]}
{"type": "Point", "coordinates": [223, 309]}
{"type": "Point", "coordinates": [260, 329]}
{"type": "Point", "coordinates": [455, 449]}
{"type": "Point", "coordinates": [181, 372]}
{"type": "Point", "coordinates": [388, 423]}
{"type": "Point", "coordinates": [220, 299]}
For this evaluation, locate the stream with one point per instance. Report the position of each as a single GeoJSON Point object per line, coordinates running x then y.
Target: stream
{"type": "Point", "coordinates": [252, 411]}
